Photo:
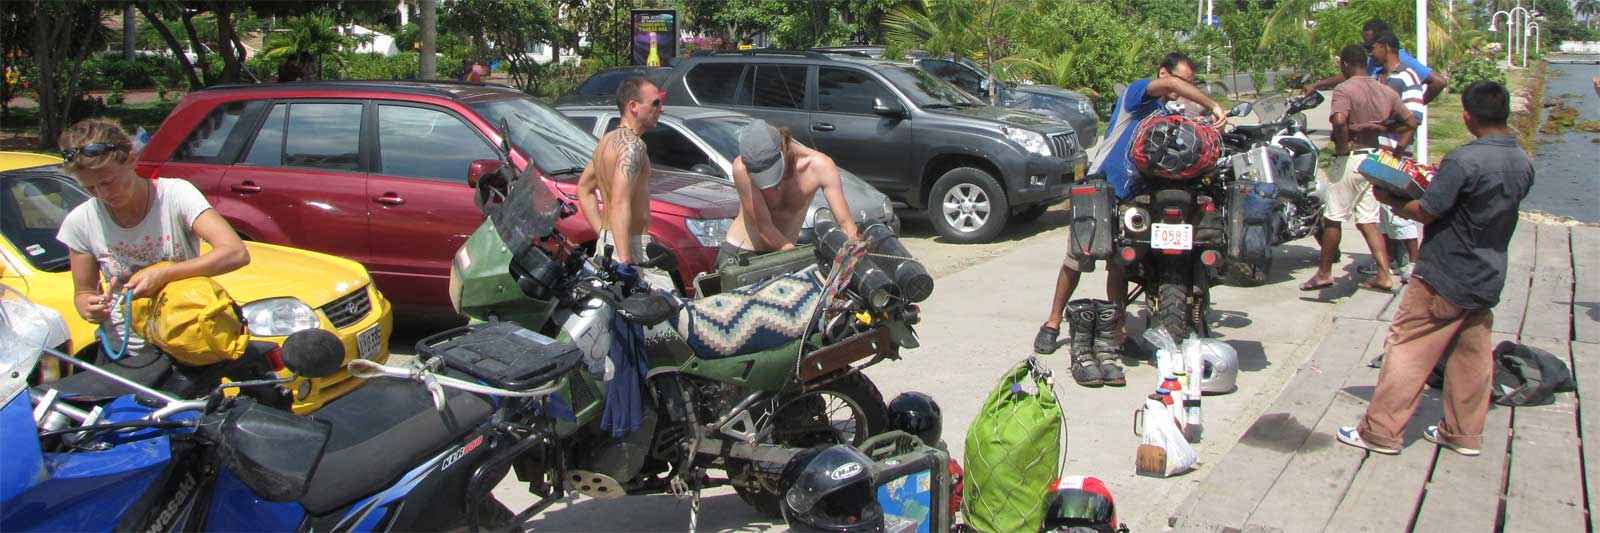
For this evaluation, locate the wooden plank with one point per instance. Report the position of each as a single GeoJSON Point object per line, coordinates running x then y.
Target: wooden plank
{"type": "Point", "coordinates": [1317, 478]}
{"type": "Point", "coordinates": [1586, 369]}
{"type": "Point", "coordinates": [1386, 491]}
{"type": "Point", "coordinates": [1520, 261]}
{"type": "Point", "coordinates": [1586, 297]}
{"type": "Point", "coordinates": [1364, 305]}
{"type": "Point", "coordinates": [1244, 476]}
{"type": "Point", "coordinates": [1464, 493]}
{"type": "Point", "coordinates": [1550, 298]}
{"type": "Point", "coordinates": [1545, 489]}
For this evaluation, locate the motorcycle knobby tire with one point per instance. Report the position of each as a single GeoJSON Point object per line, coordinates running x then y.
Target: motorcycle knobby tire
{"type": "Point", "coordinates": [765, 497]}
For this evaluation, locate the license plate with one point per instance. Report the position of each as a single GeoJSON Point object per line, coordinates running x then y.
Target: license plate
{"type": "Point", "coordinates": [1172, 236]}
{"type": "Point", "coordinates": [370, 342]}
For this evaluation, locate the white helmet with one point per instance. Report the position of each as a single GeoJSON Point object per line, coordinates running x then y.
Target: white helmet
{"type": "Point", "coordinates": [1221, 362]}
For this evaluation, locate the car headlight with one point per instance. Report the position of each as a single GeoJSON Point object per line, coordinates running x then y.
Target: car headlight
{"type": "Point", "coordinates": [1085, 107]}
{"type": "Point", "coordinates": [1031, 141]}
{"type": "Point", "coordinates": [709, 231]}
{"type": "Point", "coordinates": [279, 317]}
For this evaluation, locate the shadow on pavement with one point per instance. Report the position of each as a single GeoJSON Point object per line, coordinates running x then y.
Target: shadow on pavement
{"type": "Point", "coordinates": [1252, 355]}
{"type": "Point", "coordinates": [723, 512]}
{"type": "Point", "coordinates": [915, 223]}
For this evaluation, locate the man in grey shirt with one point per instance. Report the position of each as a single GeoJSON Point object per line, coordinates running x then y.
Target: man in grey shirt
{"type": "Point", "coordinates": [1469, 211]}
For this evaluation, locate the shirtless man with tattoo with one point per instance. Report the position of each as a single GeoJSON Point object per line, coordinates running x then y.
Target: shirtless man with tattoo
{"type": "Point", "coordinates": [777, 178]}
{"type": "Point", "coordinates": [620, 171]}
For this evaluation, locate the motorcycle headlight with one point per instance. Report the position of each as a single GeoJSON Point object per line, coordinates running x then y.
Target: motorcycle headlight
{"type": "Point", "coordinates": [709, 231]}
{"type": "Point", "coordinates": [279, 317]}
{"type": "Point", "coordinates": [1031, 141]}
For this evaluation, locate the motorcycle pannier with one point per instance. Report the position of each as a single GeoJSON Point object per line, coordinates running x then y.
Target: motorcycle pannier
{"type": "Point", "coordinates": [503, 354]}
{"type": "Point", "coordinates": [1250, 210]}
{"type": "Point", "coordinates": [1093, 220]}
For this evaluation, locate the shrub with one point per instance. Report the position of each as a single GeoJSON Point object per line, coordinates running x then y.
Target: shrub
{"type": "Point", "coordinates": [402, 66]}
{"type": "Point", "coordinates": [1474, 68]}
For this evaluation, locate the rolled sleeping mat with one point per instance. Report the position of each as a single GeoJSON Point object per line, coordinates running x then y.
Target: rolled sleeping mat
{"type": "Point", "coordinates": [890, 254]}
{"type": "Point", "coordinates": [869, 280]}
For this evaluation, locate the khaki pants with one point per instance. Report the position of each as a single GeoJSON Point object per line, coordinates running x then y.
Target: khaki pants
{"type": "Point", "coordinates": [1426, 328]}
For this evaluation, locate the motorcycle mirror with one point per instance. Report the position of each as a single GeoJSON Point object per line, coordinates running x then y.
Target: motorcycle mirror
{"type": "Point", "coordinates": [313, 353]}
{"type": "Point", "coordinates": [476, 170]}
{"type": "Point", "coordinates": [1240, 109]}
{"type": "Point", "coordinates": [658, 257]}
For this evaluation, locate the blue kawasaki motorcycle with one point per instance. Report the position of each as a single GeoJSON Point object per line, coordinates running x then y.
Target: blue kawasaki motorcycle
{"type": "Point", "coordinates": [97, 451]}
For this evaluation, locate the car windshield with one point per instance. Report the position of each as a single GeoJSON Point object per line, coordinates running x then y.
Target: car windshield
{"type": "Point", "coordinates": [32, 206]}
{"type": "Point", "coordinates": [722, 133]}
{"type": "Point", "coordinates": [924, 89]}
{"type": "Point", "coordinates": [553, 142]}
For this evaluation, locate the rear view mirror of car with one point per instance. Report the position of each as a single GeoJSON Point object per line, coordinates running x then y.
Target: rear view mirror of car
{"type": "Point", "coordinates": [476, 170]}
{"type": "Point", "coordinates": [888, 108]}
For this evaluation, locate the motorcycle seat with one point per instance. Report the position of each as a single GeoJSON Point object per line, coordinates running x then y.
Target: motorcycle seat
{"type": "Point", "coordinates": [381, 431]}
{"type": "Point", "coordinates": [751, 319]}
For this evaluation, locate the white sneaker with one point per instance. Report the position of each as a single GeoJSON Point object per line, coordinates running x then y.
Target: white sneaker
{"type": "Point", "coordinates": [1349, 435]}
{"type": "Point", "coordinates": [1432, 434]}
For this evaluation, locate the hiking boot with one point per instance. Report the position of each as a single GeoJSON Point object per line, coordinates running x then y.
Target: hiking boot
{"type": "Point", "coordinates": [1085, 368]}
{"type": "Point", "coordinates": [1044, 343]}
{"type": "Point", "coordinates": [1107, 342]}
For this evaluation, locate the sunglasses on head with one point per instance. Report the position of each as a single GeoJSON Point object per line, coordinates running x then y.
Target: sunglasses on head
{"type": "Point", "coordinates": [90, 150]}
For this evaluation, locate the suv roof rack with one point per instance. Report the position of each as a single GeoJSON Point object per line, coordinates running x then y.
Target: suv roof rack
{"type": "Point", "coordinates": [837, 52]}
{"type": "Point", "coordinates": [808, 54]}
{"type": "Point", "coordinates": [432, 87]}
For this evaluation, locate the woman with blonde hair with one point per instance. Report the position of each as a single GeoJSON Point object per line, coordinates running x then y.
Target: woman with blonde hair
{"type": "Point", "coordinates": [130, 224]}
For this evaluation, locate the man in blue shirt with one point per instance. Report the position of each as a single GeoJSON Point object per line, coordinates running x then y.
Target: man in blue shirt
{"type": "Point", "coordinates": [1436, 82]}
{"type": "Point", "coordinates": [1174, 79]}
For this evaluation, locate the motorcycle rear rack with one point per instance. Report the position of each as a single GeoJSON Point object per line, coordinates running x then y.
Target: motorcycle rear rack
{"type": "Point", "coordinates": [878, 343]}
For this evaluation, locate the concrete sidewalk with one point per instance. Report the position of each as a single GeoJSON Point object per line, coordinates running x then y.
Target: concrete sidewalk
{"type": "Point", "coordinates": [981, 321]}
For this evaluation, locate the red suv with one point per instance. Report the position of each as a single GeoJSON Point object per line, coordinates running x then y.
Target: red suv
{"type": "Point", "coordinates": [377, 172]}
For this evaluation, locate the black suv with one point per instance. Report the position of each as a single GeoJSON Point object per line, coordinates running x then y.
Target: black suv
{"type": "Point", "coordinates": [917, 138]}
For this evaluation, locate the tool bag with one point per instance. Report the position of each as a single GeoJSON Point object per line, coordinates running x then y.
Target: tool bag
{"type": "Point", "coordinates": [1015, 449]}
{"type": "Point", "coordinates": [1093, 220]}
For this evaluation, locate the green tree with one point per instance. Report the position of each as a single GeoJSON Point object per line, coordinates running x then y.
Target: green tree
{"type": "Point", "coordinates": [512, 27]}
{"type": "Point", "coordinates": [316, 33]}
{"type": "Point", "coordinates": [60, 35]}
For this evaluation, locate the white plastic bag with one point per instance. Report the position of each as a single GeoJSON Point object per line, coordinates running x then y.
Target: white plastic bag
{"type": "Point", "coordinates": [1166, 350]}
{"type": "Point", "coordinates": [1161, 430]}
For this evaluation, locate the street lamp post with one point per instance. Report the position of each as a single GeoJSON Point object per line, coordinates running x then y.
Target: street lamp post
{"type": "Point", "coordinates": [1514, 38]}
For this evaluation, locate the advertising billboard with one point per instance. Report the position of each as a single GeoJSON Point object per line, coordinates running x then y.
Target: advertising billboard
{"type": "Point", "coordinates": [655, 36]}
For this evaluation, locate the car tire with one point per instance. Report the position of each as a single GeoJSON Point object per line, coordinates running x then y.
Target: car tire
{"type": "Point", "coordinates": [967, 206]}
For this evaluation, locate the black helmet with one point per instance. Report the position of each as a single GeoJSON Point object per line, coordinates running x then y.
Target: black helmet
{"type": "Point", "coordinates": [830, 489]}
{"type": "Point", "coordinates": [916, 413]}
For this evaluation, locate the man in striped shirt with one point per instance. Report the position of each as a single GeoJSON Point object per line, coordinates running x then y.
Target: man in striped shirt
{"type": "Point", "coordinates": [1408, 83]}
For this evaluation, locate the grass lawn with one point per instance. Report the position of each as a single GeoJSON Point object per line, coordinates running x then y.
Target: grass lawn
{"type": "Point", "coordinates": [1446, 131]}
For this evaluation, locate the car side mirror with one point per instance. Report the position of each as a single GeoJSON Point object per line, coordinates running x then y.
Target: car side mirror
{"type": "Point", "coordinates": [888, 108]}
{"type": "Point", "coordinates": [477, 169]}
{"type": "Point", "coordinates": [313, 353]}
{"type": "Point", "coordinates": [1239, 110]}
{"type": "Point", "coordinates": [707, 169]}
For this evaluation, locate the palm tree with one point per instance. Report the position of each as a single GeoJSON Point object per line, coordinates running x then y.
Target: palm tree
{"type": "Point", "coordinates": [934, 26]}
{"type": "Point", "coordinates": [1587, 8]}
{"type": "Point", "coordinates": [314, 33]}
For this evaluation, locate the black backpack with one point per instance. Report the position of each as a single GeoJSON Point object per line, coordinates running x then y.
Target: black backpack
{"type": "Point", "coordinates": [1523, 376]}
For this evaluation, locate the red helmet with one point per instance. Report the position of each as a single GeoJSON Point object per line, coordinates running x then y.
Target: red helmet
{"type": "Point", "coordinates": [1174, 147]}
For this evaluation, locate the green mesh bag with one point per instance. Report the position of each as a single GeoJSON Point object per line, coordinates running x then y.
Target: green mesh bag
{"type": "Point", "coordinates": [1014, 452]}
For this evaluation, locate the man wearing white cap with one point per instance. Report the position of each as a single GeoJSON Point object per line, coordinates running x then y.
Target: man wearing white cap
{"type": "Point", "coordinates": [777, 178]}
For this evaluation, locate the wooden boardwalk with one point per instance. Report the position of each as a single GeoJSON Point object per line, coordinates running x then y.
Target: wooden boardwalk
{"type": "Point", "coordinates": [1540, 468]}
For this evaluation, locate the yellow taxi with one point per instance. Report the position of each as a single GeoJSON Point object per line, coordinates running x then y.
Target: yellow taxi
{"type": "Point", "coordinates": [281, 291]}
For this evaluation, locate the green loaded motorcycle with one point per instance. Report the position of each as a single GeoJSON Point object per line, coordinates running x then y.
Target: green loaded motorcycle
{"type": "Point", "coordinates": [765, 362]}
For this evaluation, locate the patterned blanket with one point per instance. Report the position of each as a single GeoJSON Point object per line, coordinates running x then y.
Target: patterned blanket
{"type": "Point", "coordinates": [750, 319]}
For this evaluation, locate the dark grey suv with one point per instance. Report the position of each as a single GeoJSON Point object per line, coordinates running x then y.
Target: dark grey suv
{"type": "Point", "coordinates": [917, 138]}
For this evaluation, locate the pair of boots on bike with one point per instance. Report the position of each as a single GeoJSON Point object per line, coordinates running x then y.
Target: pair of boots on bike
{"type": "Point", "coordinates": [1095, 329]}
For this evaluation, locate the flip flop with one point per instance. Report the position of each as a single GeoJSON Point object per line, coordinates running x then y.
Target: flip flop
{"type": "Point", "coordinates": [1372, 285]}
{"type": "Point", "coordinates": [1308, 287]}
